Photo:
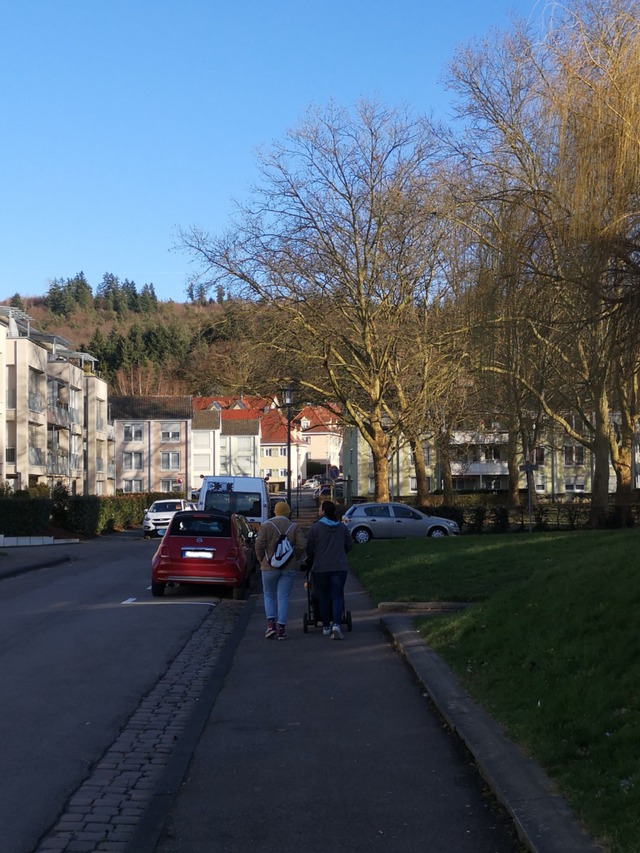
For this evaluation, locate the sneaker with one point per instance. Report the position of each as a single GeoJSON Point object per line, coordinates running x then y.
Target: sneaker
{"type": "Point", "coordinates": [282, 633]}
{"type": "Point", "coordinates": [326, 630]}
{"type": "Point", "coordinates": [271, 629]}
{"type": "Point", "coordinates": [336, 633]}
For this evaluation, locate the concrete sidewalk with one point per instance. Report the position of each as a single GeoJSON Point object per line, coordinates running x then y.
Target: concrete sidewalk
{"type": "Point", "coordinates": [313, 744]}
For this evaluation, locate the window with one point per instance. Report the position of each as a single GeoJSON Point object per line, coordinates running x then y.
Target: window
{"type": "Point", "coordinates": [268, 451]}
{"type": "Point", "coordinates": [283, 451]}
{"type": "Point", "coordinates": [404, 512]}
{"type": "Point", "coordinates": [282, 472]}
{"type": "Point", "coordinates": [573, 454]}
{"type": "Point", "coordinates": [169, 460]}
{"type": "Point", "coordinates": [492, 452]}
{"type": "Point", "coordinates": [131, 486]}
{"type": "Point", "coordinates": [267, 472]}
{"type": "Point", "coordinates": [377, 511]}
{"type": "Point", "coordinates": [170, 486]}
{"type": "Point", "coordinates": [170, 431]}
{"type": "Point", "coordinates": [133, 432]}
{"type": "Point", "coordinates": [133, 461]}
{"type": "Point", "coordinates": [538, 455]}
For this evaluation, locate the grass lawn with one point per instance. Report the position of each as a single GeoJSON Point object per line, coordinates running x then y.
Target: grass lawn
{"type": "Point", "coordinates": [550, 647]}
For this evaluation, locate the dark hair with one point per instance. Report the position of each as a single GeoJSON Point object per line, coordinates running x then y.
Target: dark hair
{"type": "Point", "coordinates": [329, 509]}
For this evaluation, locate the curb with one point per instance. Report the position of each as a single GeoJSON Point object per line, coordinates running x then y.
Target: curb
{"type": "Point", "coordinates": [541, 816]}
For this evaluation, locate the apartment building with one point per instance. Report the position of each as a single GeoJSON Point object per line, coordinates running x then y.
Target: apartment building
{"type": "Point", "coordinates": [321, 431]}
{"type": "Point", "coordinates": [52, 399]}
{"type": "Point", "coordinates": [153, 443]}
{"type": "Point", "coordinates": [562, 468]}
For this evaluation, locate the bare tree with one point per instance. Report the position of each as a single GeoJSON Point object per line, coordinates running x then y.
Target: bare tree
{"type": "Point", "coordinates": [338, 239]}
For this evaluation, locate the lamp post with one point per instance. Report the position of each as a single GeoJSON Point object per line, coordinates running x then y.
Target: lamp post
{"type": "Point", "coordinates": [287, 392]}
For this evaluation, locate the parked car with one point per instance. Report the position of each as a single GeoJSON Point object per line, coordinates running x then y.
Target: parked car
{"type": "Point", "coordinates": [394, 520]}
{"type": "Point", "coordinates": [203, 547]}
{"type": "Point", "coordinates": [159, 514]}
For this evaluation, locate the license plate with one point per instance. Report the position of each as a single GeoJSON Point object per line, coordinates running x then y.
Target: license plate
{"type": "Point", "coordinates": [194, 554]}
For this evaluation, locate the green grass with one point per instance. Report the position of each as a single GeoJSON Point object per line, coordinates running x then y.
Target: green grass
{"type": "Point", "coordinates": [550, 647]}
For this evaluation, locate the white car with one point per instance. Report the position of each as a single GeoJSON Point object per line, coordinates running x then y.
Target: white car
{"type": "Point", "coordinates": [393, 521]}
{"type": "Point", "coordinates": [158, 517]}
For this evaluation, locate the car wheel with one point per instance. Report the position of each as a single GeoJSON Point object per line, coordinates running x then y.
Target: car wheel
{"type": "Point", "coordinates": [157, 589]}
{"type": "Point", "coordinates": [437, 532]}
{"type": "Point", "coordinates": [361, 535]}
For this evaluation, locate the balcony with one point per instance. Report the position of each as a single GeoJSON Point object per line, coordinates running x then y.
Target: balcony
{"type": "Point", "coordinates": [58, 413]}
{"type": "Point", "coordinates": [35, 402]}
{"type": "Point", "coordinates": [57, 463]}
{"type": "Point", "coordinates": [490, 468]}
{"type": "Point", "coordinates": [37, 456]}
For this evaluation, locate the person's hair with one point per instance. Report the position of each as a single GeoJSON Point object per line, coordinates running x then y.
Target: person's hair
{"type": "Point", "coordinates": [329, 509]}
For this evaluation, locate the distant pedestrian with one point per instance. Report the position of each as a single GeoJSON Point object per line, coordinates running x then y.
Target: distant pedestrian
{"type": "Point", "coordinates": [277, 582]}
{"type": "Point", "coordinates": [327, 545]}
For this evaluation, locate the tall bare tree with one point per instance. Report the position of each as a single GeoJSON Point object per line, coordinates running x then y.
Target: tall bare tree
{"type": "Point", "coordinates": [338, 238]}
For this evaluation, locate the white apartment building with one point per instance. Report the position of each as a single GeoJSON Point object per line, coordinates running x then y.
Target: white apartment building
{"type": "Point", "coordinates": [479, 462]}
{"type": "Point", "coordinates": [53, 415]}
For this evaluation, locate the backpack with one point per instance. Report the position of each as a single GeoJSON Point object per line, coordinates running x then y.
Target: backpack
{"type": "Point", "coordinates": [283, 550]}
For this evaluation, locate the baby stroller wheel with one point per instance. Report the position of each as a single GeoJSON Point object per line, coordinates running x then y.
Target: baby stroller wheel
{"type": "Point", "coordinates": [348, 620]}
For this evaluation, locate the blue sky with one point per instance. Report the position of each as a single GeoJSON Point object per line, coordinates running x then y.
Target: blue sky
{"type": "Point", "coordinates": [124, 120]}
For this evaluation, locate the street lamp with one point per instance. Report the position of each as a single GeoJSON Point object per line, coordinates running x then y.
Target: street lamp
{"type": "Point", "coordinates": [287, 398]}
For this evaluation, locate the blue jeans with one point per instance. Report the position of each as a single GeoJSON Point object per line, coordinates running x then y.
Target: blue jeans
{"type": "Point", "coordinates": [329, 589]}
{"type": "Point", "coordinates": [276, 588]}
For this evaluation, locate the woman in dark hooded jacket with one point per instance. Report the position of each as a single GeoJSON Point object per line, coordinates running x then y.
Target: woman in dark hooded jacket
{"type": "Point", "coordinates": [327, 545]}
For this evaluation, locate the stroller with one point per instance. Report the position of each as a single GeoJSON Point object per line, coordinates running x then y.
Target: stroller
{"type": "Point", "coordinates": [312, 616]}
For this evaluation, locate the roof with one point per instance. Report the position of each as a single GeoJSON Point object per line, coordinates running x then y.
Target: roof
{"type": "Point", "coordinates": [233, 402]}
{"type": "Point", "coordinates": [151, 408]}
{"type": "Point", "coordinates": [206, 420]}
{"type": "Point", "coordinates": [273, 427]}
{"type": "Point", "coordinates": [240, 422]}
{"type": "Point", "coordinates": [321, 418]}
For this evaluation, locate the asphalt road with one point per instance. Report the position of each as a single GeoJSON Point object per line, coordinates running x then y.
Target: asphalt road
{"type": "Point", "coordinates": [80, 644]}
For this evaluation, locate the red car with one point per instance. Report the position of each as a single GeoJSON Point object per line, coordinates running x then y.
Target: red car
{"type": "Point", "coordinates": [202, 547]}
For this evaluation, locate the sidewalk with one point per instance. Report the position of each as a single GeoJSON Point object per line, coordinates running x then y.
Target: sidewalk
{"type": "Point", "coordinates": [18, 559]}
{"type": "Point", "coordinates": [313, 744]}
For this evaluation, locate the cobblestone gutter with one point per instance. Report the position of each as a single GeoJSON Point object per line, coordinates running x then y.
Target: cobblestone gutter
{"type": "Point", "coordinates": [104, 813]}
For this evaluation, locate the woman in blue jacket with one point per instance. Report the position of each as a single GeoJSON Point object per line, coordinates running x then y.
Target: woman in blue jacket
{"type": "Point", "coordinates": [327, 545]}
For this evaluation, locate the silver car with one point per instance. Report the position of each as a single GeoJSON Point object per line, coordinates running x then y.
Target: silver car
{"type": "Point", "coordinates": [393, 521]}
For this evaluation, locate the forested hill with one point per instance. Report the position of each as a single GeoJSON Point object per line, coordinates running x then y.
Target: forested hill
{"type": "Point", "coordinates": [146, 346]}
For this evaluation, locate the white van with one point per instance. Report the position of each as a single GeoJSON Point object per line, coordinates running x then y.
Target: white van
{"type": "Point", "coordinates": [246, 496]}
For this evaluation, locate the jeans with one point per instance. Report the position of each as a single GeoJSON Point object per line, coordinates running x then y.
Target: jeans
{"type": "Point", "coordinates": [329, 588]}
{"type": "Point", "coordinates": [276, 588]}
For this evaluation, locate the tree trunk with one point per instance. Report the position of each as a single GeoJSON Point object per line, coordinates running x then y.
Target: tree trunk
{"type": "Point", "coordinates": [513, 496]}
{"type": "Point", "coordinates": [422, 484]}
{"type": "Point", "coordinates": [601, 454]}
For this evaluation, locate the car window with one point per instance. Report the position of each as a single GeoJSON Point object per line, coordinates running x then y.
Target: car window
{"type": "Point", "coordinates": [201, 527]}
{"type": "Point", "coordinates": [405, 512]}
{"type": "Point", "coordinates": [166, 506]}
{"type": "Point", "coordinates": [378, 511]}
{"type": "Point", "coordinates": [244, 503]}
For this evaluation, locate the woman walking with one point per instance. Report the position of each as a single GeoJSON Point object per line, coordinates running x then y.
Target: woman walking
{"type": "Point", "coordinates": [327, 545]}
{"type": "Point", "coordinates": [277, 582]}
